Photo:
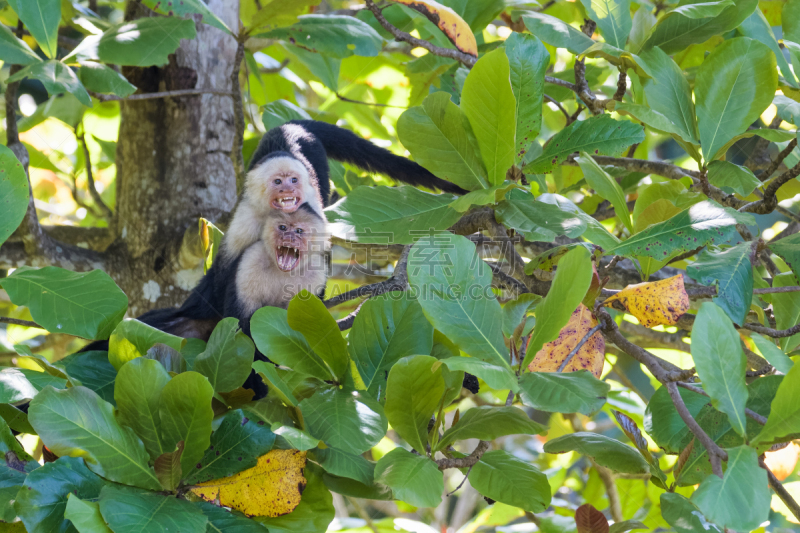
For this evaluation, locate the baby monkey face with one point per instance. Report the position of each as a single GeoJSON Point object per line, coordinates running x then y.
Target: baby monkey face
{"type": "Point", "coordinates": [290, 242]}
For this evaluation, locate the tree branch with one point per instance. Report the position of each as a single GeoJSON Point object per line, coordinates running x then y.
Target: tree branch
{"type": "Point", "coordinates": [154, 96]}
{"type": "Point", "coordinates": [18, 322]}
{"type": "Point", "coordinates": [749, 412]}
{"type": "Point", "coordinates": [90, 181]}
{"type": "Point", "coordinates": [770, 332]}
{"type": "Point", "coordinates": [764, 176]}
{"type": "Point", "coordinates": [451, 53]}
{"type": "Point", "coordinates": [660, 168]}
{"type": "Point", "coordinates": [781, 491]}
{"type": "Point", "coordinates": [715, 454]}
{"type": "Point", "coordinates": [464, 462]}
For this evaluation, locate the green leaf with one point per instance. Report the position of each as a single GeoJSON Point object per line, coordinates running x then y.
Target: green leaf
{"type": "Point", "coordinates": [132, 339]}
{"type": "Point", "coordinates": [721, 363]}
{"type": "Point", "coordinates": [769, 134]}
{"type": "Point", "coordinates": [654, 119]}
{"type": "Point", "coordinates": [439, 136]}
{"type": "Point", "coordinates": [613, 17]}
{"type": "Point", "coordinates": [15, 51]}
{"type": "Point", "coordinates": [100, 78]}
{"type": "Point", "coordinates": [489, 423]}
{"type": "Point", "coordinates": [137, 392]}
{"type": "Point", "coordinates": [772, 353]}
{"type": "Point", "coordinates": [502, 477]}
{"type": "Point", "coordinates": [441, 270]}
{"type": "Point", "coordinates": [788, 249]}
{"type": "Point", "coordinates": [76, 421]}
{"type": "Point", "coordinates": [488, 102]}
{"type": "Point", "coordinates": [84, 304]}
{"type": "Point", "coordinates": [726, 502]}
{"type": "Point", "coordinates": [703, 9]}
{"type": "Point", "coordinates": [663, 423]}
{"type": "Point", "coordinates": [57, 78]}
{"type": "Point", "coordinates": [675, 31]}
{"type": "Point", "coordinates": [15, 387]}
{"type": "Point", "coordinates": [695, 226]}
{"type": "Point", "coordinates": [734, 85]}
{"type": "Point", "coordinates": [350, 421]}
{"type": "Point", "coordinates": [41, 18]}
{"type": "Point", "coordinates": [43, 498]}
{"type": "Point", "coordinates": [595, 231]}
{"type": "Point", "coordinates": [788, 109]}
{"type": "Point", "coordinates": [335, 35]}
{"type": "Point", "coordinates": [388, 327]}
{"type": "Point", "coordinates": [94, 371]}
{"type": "Point", "coordinates": [343, 464]}
{"type": "Point", "coordinates": [497, 377]}
{"type": "Point", "coordinates": [732, 273]}
{"type": "Point", "coordinates": [538, 221]}
{"type": "Point", "coordinates": [528, 60]}
{"type": "Point", "coordinates": [397, 215]}
{"type": "Point", "coordinates": [606, 186]}
{"type": "Point", "coordinates": [604, 450]}
{"type": "Point", "coordinates": [85, 515]}
{"type": "Point", "coordinates": [784, 416]}
{"type": "Point", "coordinates": [756, 27]}
{"type": "Point", "coordinates": [276, 384]}
{"type": "Point", "coordinates": [413, 394]}
{"type": "Point", "coordinates": [323, 67]}
{"type": "Point", "coordinates": [517, 309]}
{"type": "Point", "coordinates": [556, 32]}
{"type": "Point", "coordinates": [186, 414]}
{"type": "Point", "coordinates": [123, 44]}
{"type": "Point", "coordinates": [682, 514]}
{"type": "Point", "coordinates": [669, 94]}
{"type": "Point", "coordinates": [228, 356]}
{"type": "Point", "coordinates": [221, 520]}
{"type": "Point", "coordinates": [739, 179]}
{"type": "Point", "coordinates": [573, 276]}
{"type": "Point", "coordinates": [270, 329]}
{"type": "Point", "coordinates": [413, 479]}
{"type": "Point", "coordinates": [129, 511]}
{"type": "Point", "coordinates": [309, 316]}
{"type": "Point", "coordinates": [313, 515]}
{"type": "Point", "coordinates": [235, 446]}
{"type": "Point", "coordinates": [600, 135]}
{"type": "Point", "coordinates": [573, 392]}
{"type": "Point", "coordinates": [187, 7]}
{"type": "Point", "coordinates": [280, 112]}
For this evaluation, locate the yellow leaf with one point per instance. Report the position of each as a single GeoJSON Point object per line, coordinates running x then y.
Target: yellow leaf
{"type": "Point", "coordinates": [448, 21]}
{"type": "Point", "coordinates": [591, 355]}
{"type": "Point", "coordinates": [782, 462]}
{"type": "Point", "coordinates": [654, 304]}
{"type": "Point", "coordinates": [271, 488]}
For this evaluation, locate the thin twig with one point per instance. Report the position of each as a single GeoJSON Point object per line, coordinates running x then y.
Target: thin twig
{"type": "Point", "coordinates": [578, 346]}
{"type": "Point", "coordinates": [162, 94]}
{"type": "Point", "coordinates": [90, 181]}
{"type": "Point", "coordinates": [374, 104]}
{"type": "Point", "coordinates": [774, 333]}
{"type": "Point", "coordinates": [460, 484]}
{"type": "Point", "coordinates": [781, 491]}
{"type": "Point", "coordinates": [464, 462]}
{"type": "Point", "coordinates": [560, 107]}
{"type": "Point", "coordinates": [18, 322]}
{"type": "Point", "coordinates": [238, 116]}
{"type": "Point", "coordinates": [715, 454]}
{"type": "Point", "coordinates": [622, 86]}
{"type": "Point", "coordinates": [467, 59]}
{"type": "Point", "coordinates": [764, 176]}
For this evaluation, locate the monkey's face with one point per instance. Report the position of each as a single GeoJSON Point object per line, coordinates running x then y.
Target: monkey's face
{"type": "Point", "coordinates": [279, 182]}
{"type": "Point", "coordinates": [291, 241]}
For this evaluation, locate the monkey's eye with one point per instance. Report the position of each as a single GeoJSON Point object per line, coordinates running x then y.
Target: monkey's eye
{"type": "Point", "coordinates": [294, 180]}
{"type": "Point", "coordinates": [282, 227]}
{"type": "Point", "coordinates": [299, 230]}
{"type": "Point", "coordinates": [277, 182]}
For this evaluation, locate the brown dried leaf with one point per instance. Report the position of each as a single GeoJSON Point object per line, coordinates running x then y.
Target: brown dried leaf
{"type": "Point", "coordinates": [654, 304]}
{"type": "Point", "coordinates": [633, 432]}
{"type": "Point", "coordinates": [168, 467]}
{"type": "Point", "coordinates": [590, 520]}
{"type": "Point", "coordinates": [591, 355]}
{"type": "Point", "coordinates": [448, 21]}
{"type": "Point", "coordinates": [271, 488]}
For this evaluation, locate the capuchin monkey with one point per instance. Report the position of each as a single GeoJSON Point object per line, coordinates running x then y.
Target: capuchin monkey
{"type": "Point", "coordinates": [290, 168]}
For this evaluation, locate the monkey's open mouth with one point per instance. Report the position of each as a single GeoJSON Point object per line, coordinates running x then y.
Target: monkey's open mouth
{"type": "Point", "coordinates": [286, 202]}
{"type": "Point", "coordinates": [287, 257]}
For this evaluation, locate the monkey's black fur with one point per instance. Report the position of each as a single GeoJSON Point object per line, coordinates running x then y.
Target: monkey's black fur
{"type": "Point", "coordinates": [312, 142]}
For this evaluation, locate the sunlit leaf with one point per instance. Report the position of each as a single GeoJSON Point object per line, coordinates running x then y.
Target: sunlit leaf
{"type": "Point", "coordinates": [133, 338]}
{"type": "Point", "coordinates": [336, 35]}
{"type": "Point", "coordinates": [271, 488]}
{"type": "Point", "coordinates": [41, 18]}
{"type": "Point", "coordinates": [85, 515]}
{"type": "Point", "coordinates": [655, 303]}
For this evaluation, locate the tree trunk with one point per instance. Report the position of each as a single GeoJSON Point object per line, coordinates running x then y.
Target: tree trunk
{"type": "Point", "coordinates": [173, 166]}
